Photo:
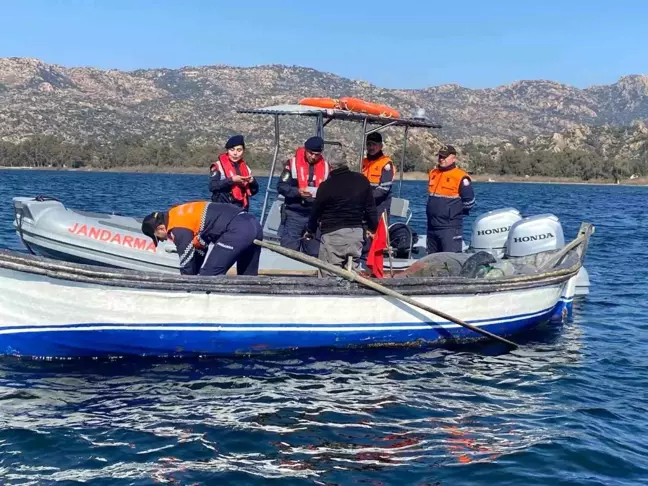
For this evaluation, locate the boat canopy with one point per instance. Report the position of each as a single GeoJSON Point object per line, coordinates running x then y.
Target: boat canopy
{"type": "Point", "coordinates": [323, 116]}
{"type": "Point", "coordinates": [332, 114]}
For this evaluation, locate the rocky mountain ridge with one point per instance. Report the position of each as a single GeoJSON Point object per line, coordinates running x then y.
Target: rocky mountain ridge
{"type": "Point", "coordinates": [197, 104]}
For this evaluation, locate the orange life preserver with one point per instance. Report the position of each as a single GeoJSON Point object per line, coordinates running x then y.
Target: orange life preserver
{"type": "Point", "coordinates": [372, 169]}
{"type": "Point", "coordinates": [351, 104]}
{"type": "Point", "coordinates": [329, 103]}
{"type": "Point", "coordinates": [225, 166]}
{"type": "Point", "coordinates": [356, 104]}
{"type": "Point", "coordinates": [191, 216]}
{"type": "Point", "coordinates": [299, 169]}
{"type": "Point", "coordinates": [446, 183]}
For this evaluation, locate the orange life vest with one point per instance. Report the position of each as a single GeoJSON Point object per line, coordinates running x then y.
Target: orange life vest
{"type": "Point", "coordinates": [372, 169]}
{"type": "Point", "coordinates": [446, 183]}
{"type": "Point", "coordinates": [299, 169]}
{"type": "Point", "coordinates": [191, 216]}
{"type": "Point", "coordinates": [225, 166]}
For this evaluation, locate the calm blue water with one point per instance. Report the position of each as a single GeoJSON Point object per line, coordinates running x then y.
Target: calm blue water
{"type": "Point", "coordinates": [569, 407]}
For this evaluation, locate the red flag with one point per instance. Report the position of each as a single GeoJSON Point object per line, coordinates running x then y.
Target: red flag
{"type": "Point", "coordinates": [379, 243]}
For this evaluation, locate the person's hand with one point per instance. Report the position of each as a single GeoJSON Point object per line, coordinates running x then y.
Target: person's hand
{"type": "Point", "coordinates": [237, 179]}
{"type": "Point", "coordinates": [308, 235]}
{"type": "Point", "coordinates": [305, 193]}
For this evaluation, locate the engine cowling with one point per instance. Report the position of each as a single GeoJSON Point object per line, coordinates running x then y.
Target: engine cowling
{"type": "Point", "coordinates": [490, 231]}
{"type": "Point", "coordinates": [535, 234]}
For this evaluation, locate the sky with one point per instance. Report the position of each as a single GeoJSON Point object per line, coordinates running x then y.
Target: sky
{"type": "Point", "coordinates": [392, 44]}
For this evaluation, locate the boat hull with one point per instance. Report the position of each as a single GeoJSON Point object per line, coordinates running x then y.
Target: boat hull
{"type": "Point", "coordinates": [48, 317]}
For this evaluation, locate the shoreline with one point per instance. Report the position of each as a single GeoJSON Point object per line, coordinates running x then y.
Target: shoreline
{"type": "Point", "coordinates": [408, 176]}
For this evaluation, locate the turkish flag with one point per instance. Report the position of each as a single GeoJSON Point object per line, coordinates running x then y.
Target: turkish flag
{"type": "Point", "coordinates": [378, 245]}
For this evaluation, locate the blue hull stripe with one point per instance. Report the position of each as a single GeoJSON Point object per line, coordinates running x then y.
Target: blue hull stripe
{"type": "Point", "coordinates": [261, 327]}
{"type": "Point", "coordinates": [145, 341]}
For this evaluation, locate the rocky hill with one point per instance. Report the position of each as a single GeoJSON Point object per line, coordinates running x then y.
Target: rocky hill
{"type": "Point", "coordinates": [198, 105]}
{"type": "Point", "coordinates": [585, 152]}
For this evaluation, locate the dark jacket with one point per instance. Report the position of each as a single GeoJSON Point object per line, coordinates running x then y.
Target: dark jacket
{"type": "Point", "coordinates": [221, 187]}
{"type": "Point", "coordinates": [216, 218]}
{"type": "Point", "coordinates": [288, 187]}
{"type": "Point", "coordinates": [344, 200]}
{"type": "Point", "coordinates": [448, 211]}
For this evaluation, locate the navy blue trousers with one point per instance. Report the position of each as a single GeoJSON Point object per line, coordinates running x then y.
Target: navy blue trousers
{"type": "Point", "coordinates": [291, 230]}
{"type": "Point", "coordinates": [444, 239]}
{"type": "Point", "coordinates": [236, 245]}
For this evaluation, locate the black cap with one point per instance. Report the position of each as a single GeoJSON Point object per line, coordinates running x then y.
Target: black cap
{"type": "Point", "coordinates": [314, 144]}
{"type": "Point", "coordinates": [374, 137]}
{"type": "Point", "coordinates": [150, 223]}
{"type": "Point", "coordinates": [447, 151]}
{"type": "Point", "coordinates": [235, 141]}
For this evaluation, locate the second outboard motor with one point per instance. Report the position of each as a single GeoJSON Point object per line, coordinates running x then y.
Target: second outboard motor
{"type": "Point", "coordinates": [535, 234]}
{"type": "Point", "coordinates": [490, 231]}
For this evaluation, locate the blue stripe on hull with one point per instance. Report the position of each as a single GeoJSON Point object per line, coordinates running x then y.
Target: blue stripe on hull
{"type": "Point", "coordinates": [124, 342]}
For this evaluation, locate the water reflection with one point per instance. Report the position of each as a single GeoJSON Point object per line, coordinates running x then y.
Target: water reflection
{"type": "Point", "coordinates": [303, 415]}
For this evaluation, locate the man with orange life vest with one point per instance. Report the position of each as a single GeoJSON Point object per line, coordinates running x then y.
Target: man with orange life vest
{"type": "Point", "coordinates": [298, 184]}
{"type": "Point", "coordinates": [450, 198]}
{"type": "Point", "coordinates": [379, 169]}
{"type": "Point", "coordinates": [230, 178]}
{"type": "Point", "coordinates": [209, 237]}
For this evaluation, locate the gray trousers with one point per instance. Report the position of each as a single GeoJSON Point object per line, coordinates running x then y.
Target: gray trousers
{"type": "Point", "coordinates": [337, 246]}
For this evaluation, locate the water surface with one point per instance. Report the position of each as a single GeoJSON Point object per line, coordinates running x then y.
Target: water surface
{"type": "Point", "coordinates": [568, 407]}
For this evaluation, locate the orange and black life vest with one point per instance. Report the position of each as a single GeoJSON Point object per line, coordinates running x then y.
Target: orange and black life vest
{"type": "Point", "coordinates": [191, 216]}
{"type": "Point", "coordinates": [446, 183]}
{"type": "Point", "coordinates": [445, 208]}
{"type": "Point", "coordinates": [372, 169]}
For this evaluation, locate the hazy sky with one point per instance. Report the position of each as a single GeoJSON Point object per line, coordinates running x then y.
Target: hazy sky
{"type": "Point", "coordinates": [395, 44]}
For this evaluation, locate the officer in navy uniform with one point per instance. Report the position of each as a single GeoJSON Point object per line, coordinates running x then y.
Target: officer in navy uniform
{"type": "Point", "coordinates": [298, 184]}
{"type": "Point", "coordinates": [209, 237]}
{"type": "Point", "coordinates": [450, 198]}
{"type": "Point", "coordinates": [230, 179]}
{"type": "Point", "coordinates": [379, 169]}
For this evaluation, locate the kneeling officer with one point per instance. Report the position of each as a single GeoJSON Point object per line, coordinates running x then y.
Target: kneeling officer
{"type": "Point", "coordinates": [209, 237]}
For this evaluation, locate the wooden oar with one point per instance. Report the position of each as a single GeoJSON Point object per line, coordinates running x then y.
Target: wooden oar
{"type": "Point", "coordinates": [354, 277]}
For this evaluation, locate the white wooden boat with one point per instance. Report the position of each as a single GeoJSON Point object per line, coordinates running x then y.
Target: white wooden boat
{"type": "Point", "coordinates": [56, 309]}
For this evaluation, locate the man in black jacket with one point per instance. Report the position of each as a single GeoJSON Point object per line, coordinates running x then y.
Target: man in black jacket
{"type": "Point", "coordinates": [344, 202]}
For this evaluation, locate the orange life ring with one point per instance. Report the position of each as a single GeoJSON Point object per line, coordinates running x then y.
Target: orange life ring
{"type": "Point", "coordinates": [351, 104]}
{"type": "Point", "coordinates": [328, 103]}
{"type": "Point", "coordinates": [358, 105]}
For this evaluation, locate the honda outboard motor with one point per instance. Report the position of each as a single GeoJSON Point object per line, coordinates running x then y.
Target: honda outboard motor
{"type": "Point", "coordinates": [490, 231]}
{"type": "Point", "coordinates": [535, 234]}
